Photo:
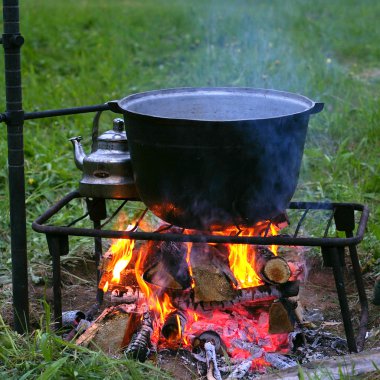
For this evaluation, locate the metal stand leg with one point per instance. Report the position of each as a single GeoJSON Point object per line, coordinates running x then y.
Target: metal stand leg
{"type": "Point", "coordinates": [97, 210]}
{"type": "Point", "coordinates": [98, 255]}
{"type": "Point", "coordinates": [362, 297]}
{"type": "Point", "coordinates": [342, 296]}
{"type": "Point", "coordinates": [58, 246]}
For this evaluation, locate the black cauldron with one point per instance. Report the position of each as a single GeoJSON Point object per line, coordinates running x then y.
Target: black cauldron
{"type": "Point", "coordinates": [207, 158]}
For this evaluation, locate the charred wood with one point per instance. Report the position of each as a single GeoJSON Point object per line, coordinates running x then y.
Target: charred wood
{"type": "Point", "coordinates": [126, 295]}
{"type": "Point", "coordinates": [213, 337]}
{"type": "Point", "coordinates": [289, 289]}
{"type": "Point", "coordinates": [174, 325]}
{"type": "Point", "coordinates": [240, 296]}
{"type": "Point", "coordinates": [133, 325]}
{"type": "Point", "coordinates": [164, 263]}
{"type": "Point", "coordinates": [138, 347]}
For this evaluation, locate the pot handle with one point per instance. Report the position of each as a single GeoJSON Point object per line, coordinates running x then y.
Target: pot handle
{"type": "Point", "coordinates": [317, 107]}
{"type": "Point", "coordinates": [114, 106]}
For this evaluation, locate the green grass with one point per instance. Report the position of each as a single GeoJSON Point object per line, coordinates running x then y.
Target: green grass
{"type": "Point", "coordinates": [44, 355]}
{"type": "Point", "coordinates": [87, 52]}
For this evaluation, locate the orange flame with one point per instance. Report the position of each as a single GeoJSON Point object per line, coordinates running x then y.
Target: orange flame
{"type": "Point", "coordinates": [179, 328]}
{"type": "Point", "coordinates": [122, 251]}
{"type": "Point", "coordinates": [188, 260]}
{"type": "Point", "coordinates": [242, 256]}
{"type": "Point", "coordinates": [160, 304]}
{"type": "Point", "coordinates": [274, 232]}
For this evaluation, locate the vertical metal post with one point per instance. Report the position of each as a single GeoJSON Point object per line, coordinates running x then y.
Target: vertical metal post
{"type": "Point", "coordinates": [98, 254]}
{"type": "Point", "coordinates": [97, 210]}
{"type": "Point", "coordinates": [342, 296]}
{"type": "Point", "coordinates": [58, 246]}
{"type": "Point", "coordinates": [362, 294]}
{"type": "Point", "coordinates": [12, 42]}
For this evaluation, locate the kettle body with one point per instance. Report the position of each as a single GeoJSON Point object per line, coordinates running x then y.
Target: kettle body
{"type": "Point", "coordinates": [107, 171]}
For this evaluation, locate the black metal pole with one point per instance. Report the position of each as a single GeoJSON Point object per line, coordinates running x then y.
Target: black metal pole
{"type": "Point", "coordinates": [360, 340]}
{"type": "Point", "coordinates": [58, 246]}
{"type": "Point", "coordinates": [12, 42]}
{"type": "Point", "coordinates": [98, 255]}
{"type": "Point", "coordinates": [342, 296]}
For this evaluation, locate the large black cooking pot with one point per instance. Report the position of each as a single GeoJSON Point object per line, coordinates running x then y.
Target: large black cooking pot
{"type": "Point", "coordinates": [214, 157]}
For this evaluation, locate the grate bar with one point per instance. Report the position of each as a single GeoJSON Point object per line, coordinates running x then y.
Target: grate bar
{"type": "Point", "coordinates": [40, 226]}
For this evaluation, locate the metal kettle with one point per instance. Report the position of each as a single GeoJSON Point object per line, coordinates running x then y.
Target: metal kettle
{"type": "Point", "coordinates": [107, 171]}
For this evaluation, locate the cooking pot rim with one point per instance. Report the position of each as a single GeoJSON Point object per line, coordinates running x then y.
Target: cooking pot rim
{"type": "Point", "coordinates": [123, 105]}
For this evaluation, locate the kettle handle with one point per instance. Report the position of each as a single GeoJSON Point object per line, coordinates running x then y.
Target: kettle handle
{"type": "Point", "coordinates": [95, 131]}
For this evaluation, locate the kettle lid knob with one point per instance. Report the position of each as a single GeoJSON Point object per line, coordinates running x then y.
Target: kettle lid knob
{"type": "Point", "coordinates": [118, 125]}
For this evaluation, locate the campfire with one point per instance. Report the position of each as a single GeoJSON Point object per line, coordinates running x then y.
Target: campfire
{"type": "Point", "coordinates": [237, 300]}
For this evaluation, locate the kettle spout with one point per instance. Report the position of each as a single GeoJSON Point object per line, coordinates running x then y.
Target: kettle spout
{"type": "Point", "coordinates": [79, 154]}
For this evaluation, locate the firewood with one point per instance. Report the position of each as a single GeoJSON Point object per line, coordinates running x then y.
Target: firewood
{"type": "Point", "coordinates": [271, 269]}
{"type": "Point", "coordinates": [242, 296]}
{"type": "Point", "coordinates": [158, 275]}
{"type": "Point", "coordinates": [86, 338]}
{"type": "Point", "coordinates": [164, 264]}
{"type": "Point", "coordinates": [213, 278]}
{"type": "Point", "coordinates": [279, 321]}
{"type": "Point", "coordinates": [138, 348]}
{"type": "Point", "coordinates": [276, 271]}
{"type": "Point", "coordinates": [174, 325]}
{"type": "Point", "coordinates": [298, 309]}
{"type": "Point", "coordinates": [107, 330]}
{"type": "Point", "coordinates": [133, 324]}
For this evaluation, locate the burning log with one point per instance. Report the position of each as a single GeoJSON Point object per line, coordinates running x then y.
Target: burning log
{"type": "Point", "coordinates": [127, 295]}
{"type": "Point", "coordinates": [174, 325]}
{"type": "Point", "coordinates": [165, 266]}
{"type": "Point", "coordinates": [213, 372]}
{"type": "Point", "coordinates": [210, 266]}
{"type": "Point", "coordinates": [138, 347]}
{"type": "Point", "coordinates": [271, 269]}
{"type": "Point", "coordinates": [248, 295]}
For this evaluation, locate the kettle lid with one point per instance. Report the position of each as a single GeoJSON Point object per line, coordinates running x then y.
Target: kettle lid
{"type": "Point", "coordinates": [116, 134]}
